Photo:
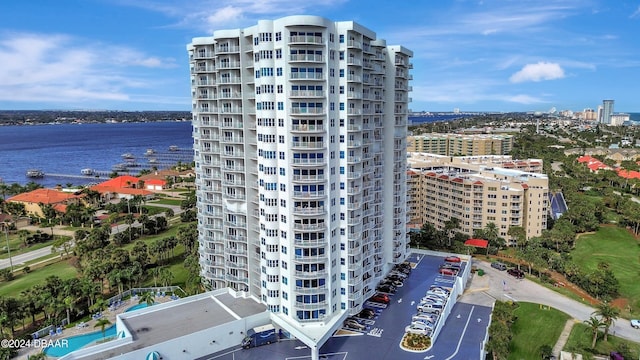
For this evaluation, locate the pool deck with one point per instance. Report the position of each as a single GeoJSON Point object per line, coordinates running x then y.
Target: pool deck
{"type": "Point", "coordinates": [73, 331]}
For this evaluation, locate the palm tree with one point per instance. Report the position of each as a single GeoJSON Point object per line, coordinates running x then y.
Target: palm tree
{"type": "Point", "coordinates": [146, 297]}
{"type": "Point", "coordinates": [594, 324]}
{"type": "Point", "coordinates": [102, 323]}
{"type": "Point", "coordinates": [450, 226]}
{"type": "Point", "coordinates": [69, 303]}
{"type": "Point", "coordinates": [608, 314]}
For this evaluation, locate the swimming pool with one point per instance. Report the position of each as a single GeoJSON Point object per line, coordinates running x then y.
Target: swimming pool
{"type": "Point", "coordinates": [79, 341]}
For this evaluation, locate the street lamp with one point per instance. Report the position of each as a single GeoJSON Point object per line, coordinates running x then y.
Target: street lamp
{"type": "Point", "coordinates": [6, 233]}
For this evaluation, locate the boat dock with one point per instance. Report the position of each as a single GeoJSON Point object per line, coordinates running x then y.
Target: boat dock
{"type": "Point", "coordinates": [100, 175]}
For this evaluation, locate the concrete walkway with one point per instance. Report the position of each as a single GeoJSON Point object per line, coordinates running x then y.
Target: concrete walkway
{"type": "Point", "coordinates": [564, 336]}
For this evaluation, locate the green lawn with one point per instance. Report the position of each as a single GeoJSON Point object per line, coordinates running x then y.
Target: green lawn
{"type": "Point", "coordinates": [580, 342]}
{"type": "Point", "coordinates": [148, 239]}
{"type": "Point", "coordinates": [615, 246]}
{"type": "Point", "coordinates": [533, 328]}
{"type": "Point", "coordinates": [25, 281]}
{"type": "Point", "coordinates": [15, 243]}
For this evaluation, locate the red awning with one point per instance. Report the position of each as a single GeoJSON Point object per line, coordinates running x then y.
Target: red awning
{"type": "Point", "coordinates": [477, 243]}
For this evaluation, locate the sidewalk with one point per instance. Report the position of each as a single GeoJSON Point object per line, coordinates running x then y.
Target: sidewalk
{"type": "Point", "coordinates": [564, 336]}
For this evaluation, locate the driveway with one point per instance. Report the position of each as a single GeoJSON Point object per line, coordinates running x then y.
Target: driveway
{"type": "Point", "coordinates": [498, 285]}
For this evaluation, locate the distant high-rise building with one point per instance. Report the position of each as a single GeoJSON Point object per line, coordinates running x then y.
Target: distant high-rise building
{"type": "Point", "coordinates": [599, 114]}
{"type": "Point", "coordinates": [300, 137]}
{"type": "Point", "coordinates": [607, 111]}
{"type": "Point", "coordinates": [589, 114]}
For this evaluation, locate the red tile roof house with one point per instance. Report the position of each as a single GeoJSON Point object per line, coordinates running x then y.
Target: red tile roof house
{"type": "Point", "coordinates": [34, 199]}
{"type": "Point", "coordinates": [122, 187]}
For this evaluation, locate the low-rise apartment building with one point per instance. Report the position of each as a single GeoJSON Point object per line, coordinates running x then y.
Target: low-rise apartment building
{"type": "Point", "coordinates": [478, 190]}
{"type": "Point", "coordinates": [461, 144]}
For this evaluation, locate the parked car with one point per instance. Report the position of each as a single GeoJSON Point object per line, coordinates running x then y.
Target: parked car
{"type": "Point", "coordinates": [432, 302]}
{"type": "Point", "coordinates": [353, 324]}
{"type": "Point", "coordinates": [366, 314]}
{"type": "Point", "coordinates": [439, 288]}
{"type": "Point", "coordinates": [396, 283]}
{"type": "Point", "coordinates": [394, 277]}
{"type": "Point", "coordinates": [428, 323]}
{"type": "Point", "coordinates": [399, 274]}
{"type": "Point", "coordinates": [380, 298]}
{"type": "Point", "coordinates": [386, 288]}
{"type": "Point", "coordinates": [403, 269]}
{"type": "Point", "coordinates": [453, 259]}
{"type": "Point", "coordinates": [429, 310]}
{"type": "Point", "coordinates": [426, 307]}
{"type": "Point", "coordinates": [418, 328]}
{"type": "Point", "coordinates": [450, 266]}
{"type": "Point", "coordinates": [440, 295]}
{"type": "Point", "coordinates": [435, 298]}
{"type": "Point", "coordinates": [498, 265]}
{"type": "Point", "coordinates": [449, 272]}
{"type": "Point", "coordinates": [635, 323]}
{"type": "Point", "coordinates": [422, 316]}
{"type": "Point", "coordinates": [516, 273]}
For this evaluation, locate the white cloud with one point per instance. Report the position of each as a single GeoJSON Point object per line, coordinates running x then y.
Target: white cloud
{"type": "Point", "coordinates": [538, 72]}
{"type": "Point", "coordinates": [635, 13]}
{"type": "Point", "coordinates": [523, 99]}
{"type": "Point", "coordinates": [58, 68]}
{"type": "Point", "coordinates": [226, 15]}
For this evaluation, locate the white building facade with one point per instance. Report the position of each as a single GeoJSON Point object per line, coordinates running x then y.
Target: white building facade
{"type": "Point", "coordinates": [300, 128]}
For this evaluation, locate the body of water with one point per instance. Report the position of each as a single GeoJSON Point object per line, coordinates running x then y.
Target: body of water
{"type": "Point", "coordinates": [69, 148]}
{"type": "Point", "coordinates": [79, 341]}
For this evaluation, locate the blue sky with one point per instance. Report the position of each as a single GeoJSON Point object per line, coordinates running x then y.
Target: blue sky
{"type": "Point", "coordinates": [481, 55]}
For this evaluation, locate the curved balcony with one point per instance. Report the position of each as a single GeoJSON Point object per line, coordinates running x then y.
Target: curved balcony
{"type": "Point", "coordinates": [236, 278]}
{"type": "Point", "coordinates": [306, 39]}
{"type": "Point", "coordinates": [311, 306]}
{"type": "Point", "coordinates": [308, 111]}
{"type": "Point", "coordinates": [303, 128]}
{"type": "Point", "coordinates": [310, 274]}
{"type": "Point", "coordinates": [306, 76]}
{"type": "Point", "coordinates": [309, 162]}
{"type": "Point", "coordinates": [307, 145]}
{"type": "Point", "coordinates": [311, 243]}
{"type": "Point", "coordinates": [309, 194]}
{"type": "Point", "coordinates": [311, 290]}
{"type": "Point", "coordinates": [306, 58]}
{"type": "Point", "coordinates": [308, 178]}
{"type": "Point", "coordinates": [308, 211]}
{"type": "Point", "coordinates": [306, 94]}
{"type": "Point", "coordinates": [310, 259]}
{"type": "Point", "coordinates": [310, 227]}
{"type": "Point", "coordinates": [235, 251]}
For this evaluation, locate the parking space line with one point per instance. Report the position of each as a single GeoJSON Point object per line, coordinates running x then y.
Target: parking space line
{"type": "Point", "coordinates": [322, 356]}
{"type": "Point", "coordinates": [462, 335]}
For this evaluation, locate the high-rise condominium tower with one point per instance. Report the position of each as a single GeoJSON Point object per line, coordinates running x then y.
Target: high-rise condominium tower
{"type": "Point", "coordinates": [607, 111]}
{"type": "Point", "coordinates": [300, 128]}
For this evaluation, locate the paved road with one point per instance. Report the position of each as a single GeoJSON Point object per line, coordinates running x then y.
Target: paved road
{"type": "Point", "coordinates": [501, 286]}
{"type": "Point", "coordinates": [23, 258]}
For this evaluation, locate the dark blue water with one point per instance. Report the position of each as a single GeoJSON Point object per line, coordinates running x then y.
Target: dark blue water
{"type": "Point", "coordinates": [67, 149]}
{"type": "Point", "coordinates": [415, 120]}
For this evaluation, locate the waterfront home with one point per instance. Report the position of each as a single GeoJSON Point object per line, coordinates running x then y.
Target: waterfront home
{"type": "Point", "coordinates": [35, 200]}
{"type": "Point", "coordinates": [122, 187]}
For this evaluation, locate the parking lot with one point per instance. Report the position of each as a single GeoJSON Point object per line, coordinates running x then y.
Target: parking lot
{"type": "Point", "coordinates": [460, 337]}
